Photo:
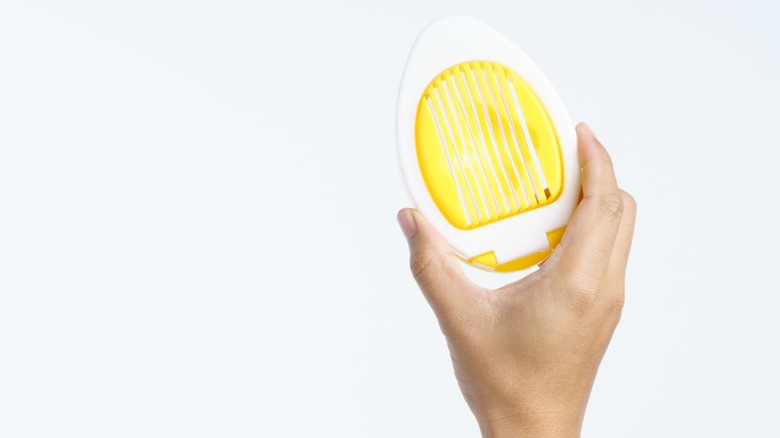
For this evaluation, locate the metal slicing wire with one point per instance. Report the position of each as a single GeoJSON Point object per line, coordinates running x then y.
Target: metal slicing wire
{"type": "Point", "coordinates": [494, 142]}
{"type": "Point", "coordinates": [505, 208]}
{"type": "Point", "coordinates": [515, 140]}
{"type": "Point", "coordinates": [527, 135]}
{"type": "Point", "coordinates": [505, 143]}
{"type": "Point", "coordinates": [465, 155]}
{"type": "Point", "coordinates": [457, 155]}
{"type": "Point", "coordinates": [449, 161]}
{"type": "Point", "coordinates": [481, 165]}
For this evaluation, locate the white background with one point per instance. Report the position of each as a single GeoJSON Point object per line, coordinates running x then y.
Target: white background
{"type": "Point", "coordinates": [197, 216]}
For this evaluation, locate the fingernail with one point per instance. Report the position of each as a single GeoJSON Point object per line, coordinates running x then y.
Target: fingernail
{"type": "Point", "coordinates": [408, 225]}
{"type": "Point", "coordinates": [590, 131]}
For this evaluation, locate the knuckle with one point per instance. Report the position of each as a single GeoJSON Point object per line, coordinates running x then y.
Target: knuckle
{"type": "Point", "coordinates": [589, 293]}
{"type": "Point", "coordinates": [616, 304]}
{"type": "Point", "coordinates": [578, 279]}
{"type": "Point", "coordinates": [587, 299]}
{"type": "Point", "coordinates": [629, 203]}
{"type": "Point", "coordinates": [583, 302]}
{"type": "Point", "coordinates": [613, 308]}
{"type": "Point", "coordinates": [582, 291]}
{"type": "Point", "coordinates": [612, 205]}
{"type": "Point", "coordinates": [581, 283]}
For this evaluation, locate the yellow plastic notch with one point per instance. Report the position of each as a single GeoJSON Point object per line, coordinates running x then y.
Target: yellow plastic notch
{"type": "Point", "coordinates": [486, 145]}
{"type": "Point", "coordinates": [488, 260]}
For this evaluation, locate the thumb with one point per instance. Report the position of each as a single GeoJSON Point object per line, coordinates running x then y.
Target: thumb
{"type": "Point", "coordinates": [434, 266]}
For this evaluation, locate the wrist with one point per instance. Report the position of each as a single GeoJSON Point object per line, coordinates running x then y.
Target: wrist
{"type": "Point", "coordinates": [526, 430]}
{"type": "Point", "coordinates": [536, 425]}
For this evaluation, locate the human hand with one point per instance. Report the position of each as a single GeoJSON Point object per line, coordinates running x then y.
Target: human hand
{"type": "Point", "coordinates": [526, 355]}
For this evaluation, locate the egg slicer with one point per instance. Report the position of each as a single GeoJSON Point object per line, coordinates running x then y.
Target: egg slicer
{"type": "Point", "coordinates": [487, 149]}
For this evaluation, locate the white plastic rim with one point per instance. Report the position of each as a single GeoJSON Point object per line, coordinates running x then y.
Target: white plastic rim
{"type": "Point", "coordinates": [446, 43]}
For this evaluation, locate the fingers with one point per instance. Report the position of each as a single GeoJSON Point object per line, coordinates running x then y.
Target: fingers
{"type": "Point", "coordinates": [435, 268]}
{"type": "Point", "coordinates": [587, 245]}
{"type": "Point", "coordinates": [598, 175]}
{"type": "Point", "coordinates": [625, 234]}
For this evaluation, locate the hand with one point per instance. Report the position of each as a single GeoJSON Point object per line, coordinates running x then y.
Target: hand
{"type": "Point", "coordinates": [526, 355]}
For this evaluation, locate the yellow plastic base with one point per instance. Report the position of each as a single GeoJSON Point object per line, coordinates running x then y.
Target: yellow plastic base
{"type": "Point", "coordinates": [488, 262]}
{"type": "Point", "coordinates": [486, 145]}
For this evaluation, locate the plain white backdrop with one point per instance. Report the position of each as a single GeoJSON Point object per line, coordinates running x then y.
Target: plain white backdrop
{"type": "Point", "coordinates": [197, 216]}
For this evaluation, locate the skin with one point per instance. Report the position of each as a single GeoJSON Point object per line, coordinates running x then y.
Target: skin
{"type": "Point", "coordinates": [526, 355]}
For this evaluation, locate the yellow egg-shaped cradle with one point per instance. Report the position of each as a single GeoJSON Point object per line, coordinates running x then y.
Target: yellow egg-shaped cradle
{"type": "Point", "coordinates": [486, 145]}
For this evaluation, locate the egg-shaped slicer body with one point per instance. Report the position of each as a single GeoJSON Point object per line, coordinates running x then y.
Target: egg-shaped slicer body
{"type": "Point", "coordinates": [488, 151]}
